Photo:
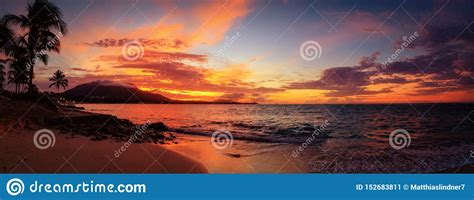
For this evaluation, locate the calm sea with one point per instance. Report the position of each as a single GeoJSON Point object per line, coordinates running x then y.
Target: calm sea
{"type": "Point", "coordinates": [330, 138]}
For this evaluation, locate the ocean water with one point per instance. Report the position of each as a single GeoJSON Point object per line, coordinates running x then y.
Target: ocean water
{"type": "Point", "coordinates": [330, 138]}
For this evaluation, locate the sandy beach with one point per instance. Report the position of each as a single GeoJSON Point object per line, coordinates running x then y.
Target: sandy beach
{"type": "Point", "coordinates": [87, 142]}
{"type": "Point", "coordinates": [265, 137]}
{"type": "Point", "coordinates": [75, 151]}
{"type": "Point", "coordinates": [79, 154]}
{"type": "Point", "coordinates": [241, 157]}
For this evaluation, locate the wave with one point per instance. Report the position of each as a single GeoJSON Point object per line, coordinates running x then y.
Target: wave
{"type": "Point", "coordinates": [254, 138]}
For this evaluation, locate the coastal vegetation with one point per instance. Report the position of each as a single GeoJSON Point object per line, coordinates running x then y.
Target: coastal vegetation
{"type": "Point", "coordinates": [26, 40]}
{"type": "Point", "coordinates": [58, 80]}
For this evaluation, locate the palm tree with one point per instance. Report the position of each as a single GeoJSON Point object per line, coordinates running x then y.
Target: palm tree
{"type": "Point", "coordinates": [42, 19]}
{"type": "Point", "coordinates": [2, 74]}
{"type": "Point", "coordinates": [18, 74]}
{"type": "Point", "coordinates": [58, 79]}
{"type": "Point", "coordinates": [18, 60]}
{"type": "Point", "coordinates": [6, 37]}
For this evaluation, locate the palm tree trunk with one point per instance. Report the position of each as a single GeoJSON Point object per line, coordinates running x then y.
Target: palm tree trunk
{"type": "Point", "coordinates": [32, 64]}
{"type": "Point", "coordinates": [30, 82]}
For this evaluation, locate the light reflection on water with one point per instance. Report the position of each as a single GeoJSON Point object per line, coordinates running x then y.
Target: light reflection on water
{"type": "Point", "coordinates": [356, 139]}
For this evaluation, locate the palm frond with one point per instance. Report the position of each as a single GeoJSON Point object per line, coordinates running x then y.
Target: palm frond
{"type": "Point", "coordinates": [44, 58]}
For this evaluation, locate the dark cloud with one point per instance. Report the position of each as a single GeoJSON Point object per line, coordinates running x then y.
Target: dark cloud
{"type": "Point", "coordinates": [446, 65]}
{"type": "Point", "coordinates": [86, 70]}
{"type": "Point", "coordinates": [233, 96]}
{"type": "Point", "coordinates": [179, 73]}
{"type": "Point", "coordinates": [450, 21]}
{"type": "Point", "coordinates": [153, 43]}
{"type": "Point", "coordinates": [343, 81]}
{"type": "Point", "coordinates": [156, 56]}
{"type": "Point", "coordinates": [355, 92]}
{"type": "Point", "coordinates": [180, 76]}
{"type": "Point", "coordinates": [391, 80]}
{"type": "Point", "coordinates": [429, 84]}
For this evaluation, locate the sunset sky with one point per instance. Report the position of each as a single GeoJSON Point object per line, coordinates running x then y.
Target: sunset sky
{"type": "Point", "coordinates": [249, 51]}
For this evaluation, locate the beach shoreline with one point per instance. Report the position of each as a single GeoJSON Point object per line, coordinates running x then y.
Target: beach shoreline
{"type": "Point", "coordinates": [76, 148]}
{"type": "Point", "coordinates": [80, 154]}
{"type": "Point", "coordinates": [242, 157]}
{"type": "Point", "coordinates": [87, 141]}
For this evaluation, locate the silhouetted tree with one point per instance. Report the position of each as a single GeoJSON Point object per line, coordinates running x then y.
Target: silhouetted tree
{"type": "Point", "coordinates": [58, 80]}
{"type": "Point", "coordinates": [2, 74]}
{"type": "Point", "coordinates": [18, 75]}
{"type": "Point", "coordinates": [42, 19]}
{"type": "Point", "coordinates": [6, 37]}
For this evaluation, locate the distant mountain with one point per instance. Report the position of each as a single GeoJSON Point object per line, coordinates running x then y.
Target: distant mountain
{"type": "Point", "coordinates": [107, 91]}
{"type": "Point", "coordinates": [209, 102]}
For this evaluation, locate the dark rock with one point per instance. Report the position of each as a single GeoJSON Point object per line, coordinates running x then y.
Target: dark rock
{"type": "Point", "coordinates": [158, 126]}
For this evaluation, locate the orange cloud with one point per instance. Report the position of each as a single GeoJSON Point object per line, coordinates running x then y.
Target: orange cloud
{"type": "Point", "coordinates": [216, 19]}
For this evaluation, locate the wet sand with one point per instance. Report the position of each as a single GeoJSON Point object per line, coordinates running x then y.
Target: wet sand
{"type": "Point", "coordinates": [87, 143]}
{"type": "Point", "coordinates": [84, 143]}
{"type": "Point", "coordinates": [253, 157]}
{"type": "Point", "coordinates": [241, 157]}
